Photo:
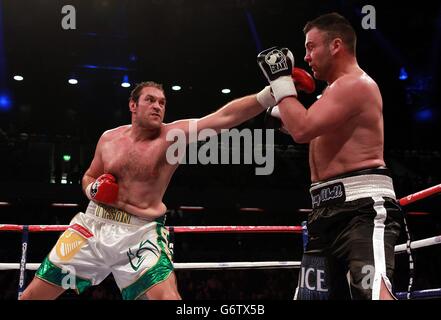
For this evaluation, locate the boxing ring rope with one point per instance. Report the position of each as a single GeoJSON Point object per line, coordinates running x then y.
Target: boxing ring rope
{"type": "Point", "coordinates": [420, 195]}
{"type": "Point", "coordinates": [25, 229]}
{"type": "Point", "coordinates": [183, 229]}
{"type": "Point", "coordinates": [418, 244]}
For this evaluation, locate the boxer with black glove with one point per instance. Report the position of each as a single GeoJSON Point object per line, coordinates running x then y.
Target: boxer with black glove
{"type": "Point", "coordinates": [304, 82]}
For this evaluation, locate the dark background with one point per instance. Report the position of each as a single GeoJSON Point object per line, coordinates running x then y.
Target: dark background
{"type": "Point", "coordinates": [203, 46]}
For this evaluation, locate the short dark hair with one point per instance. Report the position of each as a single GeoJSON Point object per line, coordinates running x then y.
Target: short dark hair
{"type": "Point", "coordinates": [136, 92]}
{"type": "Point", "coordinates": [336, 26]}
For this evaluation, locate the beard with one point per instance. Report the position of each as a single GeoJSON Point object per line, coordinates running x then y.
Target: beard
{"type": "Point", "coordinates": [149, 124]}
{"type": "Point", "coordinates": [318, 74]}
{"type": "Point", "coordinates": [323, 69]}
{"type": "Point", "coordinates": [322, 72]}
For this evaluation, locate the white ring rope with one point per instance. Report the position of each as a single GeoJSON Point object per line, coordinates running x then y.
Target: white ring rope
{"type": "Point", "coordinates": [247, 265]}
{"type": "Point", "coordinates": [419, 244]}
{"type": "Point", "coordinates": [251, 265]}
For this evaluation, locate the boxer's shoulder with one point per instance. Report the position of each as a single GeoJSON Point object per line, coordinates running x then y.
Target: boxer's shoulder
{"type": "Point", "coordinates": [115, 132]}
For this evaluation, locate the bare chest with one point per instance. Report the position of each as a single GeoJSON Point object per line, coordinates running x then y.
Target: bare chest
{"type": "Point", "coordinates": [332, 150]}
{"type": "Point", "coordinates": [334, 154]}
{"type": "Point", "coordinates": [135, 161]}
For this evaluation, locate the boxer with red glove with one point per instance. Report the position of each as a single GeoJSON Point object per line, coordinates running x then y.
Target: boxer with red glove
{"type": "Point", "coordinates": [104, 189]}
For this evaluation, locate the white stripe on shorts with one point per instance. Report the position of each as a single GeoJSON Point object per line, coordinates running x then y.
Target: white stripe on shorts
{"type": "Point", "coordinates": [378, 246]}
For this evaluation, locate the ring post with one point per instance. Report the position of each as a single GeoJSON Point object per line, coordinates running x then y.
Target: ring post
{"type": "Point", "coordinates": [24, 249]}
{"type": "Point", "coordinates": [304, 234]}
{"type": "Point", "coordinates": [171, 241]}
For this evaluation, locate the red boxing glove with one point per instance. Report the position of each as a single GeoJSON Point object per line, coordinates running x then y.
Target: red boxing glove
{"type": "Point", "coordinates": [303, 80]}
{"type": "Point", "coordinates": [104, 189]}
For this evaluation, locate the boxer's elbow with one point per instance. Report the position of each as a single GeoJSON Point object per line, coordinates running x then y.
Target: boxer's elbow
{"type": "Point", "coordinates": [300, 134]}
{"type": "Point", "coordinates": [300, 137]}
{"type": "Point", "coordinates": [298, 125]}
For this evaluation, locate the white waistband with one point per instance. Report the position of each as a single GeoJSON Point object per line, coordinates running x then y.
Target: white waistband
{"type": "Point", "coordinates": [115, 215]}
{"type": "Point", "coordinates": [363, 186]}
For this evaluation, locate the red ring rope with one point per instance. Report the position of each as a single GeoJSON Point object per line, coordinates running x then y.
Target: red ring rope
{"type": "Point", "coordinates": [198, 229]}
{"type": "Point", "coordinates": [228, 229]}
{"type": "Point", "coordinates": [420, 195]}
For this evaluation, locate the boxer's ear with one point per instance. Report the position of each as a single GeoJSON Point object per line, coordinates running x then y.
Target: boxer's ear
{"type": "Point", "coordinates": [133, 105]}
{"type": "Point", "coordinates": [335, 45]}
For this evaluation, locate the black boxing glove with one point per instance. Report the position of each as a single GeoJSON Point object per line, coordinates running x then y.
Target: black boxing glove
{"type": "Point", "coordinates": [276, 64]}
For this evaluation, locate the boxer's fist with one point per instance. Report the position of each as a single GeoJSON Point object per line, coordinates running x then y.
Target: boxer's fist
{"type": "Point", "coordinates": [104, 189]}
{"type": "Point", "coordinates": [276, 64]}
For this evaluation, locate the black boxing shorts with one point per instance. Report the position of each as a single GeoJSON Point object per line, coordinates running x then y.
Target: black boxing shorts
{"type": "Point", "coordinates": [352, 232]}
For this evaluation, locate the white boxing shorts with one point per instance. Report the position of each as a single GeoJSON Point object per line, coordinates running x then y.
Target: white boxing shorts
{"type": "Point", "coordinates": [106, 240]}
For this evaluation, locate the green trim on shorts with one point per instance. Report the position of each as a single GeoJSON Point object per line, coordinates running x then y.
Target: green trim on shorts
{"type": "Point", "coordinates": [54, 274]}
{"type": "Point", "coordinates": [158, 273]}
{"type": "Point", "coordinates": [162, 238]}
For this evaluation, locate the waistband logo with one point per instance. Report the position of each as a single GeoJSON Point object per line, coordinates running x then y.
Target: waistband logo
{"type": "Point", "coordinates": [328, 193]}
{"type": "Point", "coordinates": [113, 214]}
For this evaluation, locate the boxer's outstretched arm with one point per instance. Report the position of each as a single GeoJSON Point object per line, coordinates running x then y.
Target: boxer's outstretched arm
{"type": "Point", "coordinates": [230, 115]}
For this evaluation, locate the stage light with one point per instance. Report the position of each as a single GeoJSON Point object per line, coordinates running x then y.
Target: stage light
{"type": "Point", "coordinates": [403, 74]}
{"type": "Point", "coordinates": [125, 83]}
{"type": "Point", "coordinates": [424, 115]}
{"type": "Point", "coordinates": [5, 102]}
